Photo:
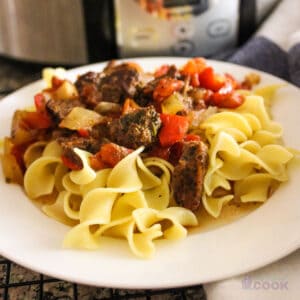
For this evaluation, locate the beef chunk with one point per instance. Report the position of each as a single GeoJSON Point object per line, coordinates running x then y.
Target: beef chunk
{"type": "Point", "coordinates": [88, 88]}
{"type": "Point", "coordinates": [113, 85]}
{"type": "Point", "coordinates": [70, 142]}
{"type": "Point", "coordinates": [118, 83]}
{"type": "Point", "coordinates": [188, 175]}
{"type": "Point", "coordinates": [144, 94]}
{"type": "Point", "coordinates": [58, 109]}
{"type": "Point", "coordinates": [135, 129]}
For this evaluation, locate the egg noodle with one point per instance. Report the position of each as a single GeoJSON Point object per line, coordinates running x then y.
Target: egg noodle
{"type": "Point", "coordinates": [130, 201]}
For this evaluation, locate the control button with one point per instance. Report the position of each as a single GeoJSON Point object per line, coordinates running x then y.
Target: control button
{"type": "Point", "coordinates": [183, 48]}
{"type": "Point", "coordinates": [218, 28]}
{"type": "Point", "coordinates": [183, 30]}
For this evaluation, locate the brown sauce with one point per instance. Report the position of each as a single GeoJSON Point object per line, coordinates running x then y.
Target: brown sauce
{"type": "Point", "coordinates": [230, 213]}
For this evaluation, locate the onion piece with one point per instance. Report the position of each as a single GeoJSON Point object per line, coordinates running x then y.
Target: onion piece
{"type": "Point", "coordinates": [108, 107]}
{"type": "Point", "coordinates": [81, 118]}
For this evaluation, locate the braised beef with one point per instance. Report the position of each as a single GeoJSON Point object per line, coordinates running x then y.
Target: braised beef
{"type": "Point", "coordinates": [100, 131]}
{"type": "Point", "coordinates": [135, 129]}
{"type": "Point", "coordinates": [88, 88]}
{"type": "Point", "coordinates": [119, 83]}
{"type": "Point", "coordinates": [68, 144]}
{"type": "Point", "coordinates": [115, 84]}
{"type": "Point", "coordinates": [144, 95]}
{"type": "Point", "coordinates": [58, 109]}
{"type": "Point", "coordinates": [188, 175]}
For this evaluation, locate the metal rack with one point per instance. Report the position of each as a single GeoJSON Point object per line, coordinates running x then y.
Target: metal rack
{"type": "Point", "coordinates": [18, 283]}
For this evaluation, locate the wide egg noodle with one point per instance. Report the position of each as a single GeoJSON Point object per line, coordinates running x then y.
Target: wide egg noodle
{"type": "Point", "coordinates": [52, 149]}
{"type": "Point", "coordinates": [165, 167]}
{"type": "Point", "coordinates": [149, 180]}
{"type": "Point", "coordinates": [72, 204]}
{"type": "Point", "coordinates": [86, 174]}
{"type": "Point", "coordinates": [57, 210]}
{"type": "Point", "coordinates": [116, 200]}
{"type": "Point", "coordinates": [97, 205]}
{"type": "Point", "coordinates": [254, 188]}
{"type": "Point", "coordinates": [81, 237]}
{"type": "Point", "coordinates": [214, 205]}
{"type": "Point", "coordinates": [33, 152]}
{"type": "Point", "coordinates": [127, 203]}
{"type": "Point", "coordinates": [159, 196]}
{"type": "Point", "coordinates": [245, 150]}
{"type": "Point", "coordinates": [255, 105]}
{"type": "Point", "coordinates": [178, 217]}
{"type": "Point", "coordinates": [69, 185]}
{"type": "Point", "coordinates": [227, 120]}
{"type": "Point", "coordinates": [124, 176]}
{"type": "Point", "coordinates": [42, 169]}
{"type": "Point", "coordinates": [59, 174]}
{"type": "Point", "coordinates": [99, 181]}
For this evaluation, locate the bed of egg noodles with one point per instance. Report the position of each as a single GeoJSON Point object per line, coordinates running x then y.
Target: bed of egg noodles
{"type": "Point", "coordinates": [129, 201]}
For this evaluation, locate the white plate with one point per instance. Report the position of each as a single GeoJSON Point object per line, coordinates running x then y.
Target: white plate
{"type": "Point", "coordinates": [269, 233]}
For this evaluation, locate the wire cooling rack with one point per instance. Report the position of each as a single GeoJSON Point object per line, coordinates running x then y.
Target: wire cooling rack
{"type": "Point", "coordinates": [18, 283]}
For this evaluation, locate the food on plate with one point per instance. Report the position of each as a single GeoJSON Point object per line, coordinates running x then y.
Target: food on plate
{"type": "Point", "coordinates": [139, 155]}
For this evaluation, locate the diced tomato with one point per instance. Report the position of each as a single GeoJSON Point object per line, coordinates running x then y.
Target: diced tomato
{"type": "Point", "coordinates": [40, 102]}
{"type": "Point", "coordinates": [129, 106]}
{"type": "Point", "coordinates": [37, 120]}
{"type": "Point", "coordinates": [70, 164]}
{"type": "Point", "coordinates": [83, 132]}
{"type": "Point", "coordinates": [109, 155]}
{"type": "Point", "coordinates": [166, 87]}
{"type": "Point", "coordinates": [97, 163]}
{"type": "Point", "coordinates": [162, 70]}
{"type": "Point", "coordinates": [229, 100]}
{"type": "Point", "coordinates": [173, 129]}
{"type": "Point", "coordinates": [210, 80]}
{"type": "Point", "coordinates": [194, 66]}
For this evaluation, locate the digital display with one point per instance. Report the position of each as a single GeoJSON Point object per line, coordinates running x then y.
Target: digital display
{"type": "Point", "coordinates": [173, 3]}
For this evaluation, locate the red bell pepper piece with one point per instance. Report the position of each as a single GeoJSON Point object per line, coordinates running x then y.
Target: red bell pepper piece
{"type": "Point", "coordinates": [173, 129]}
{"type": "Point", "coordinates": [210, 80]}
{"type": "Point", "coordinates": [166, 87]}
{"type": "Point", "coordinates": [194, 66]}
